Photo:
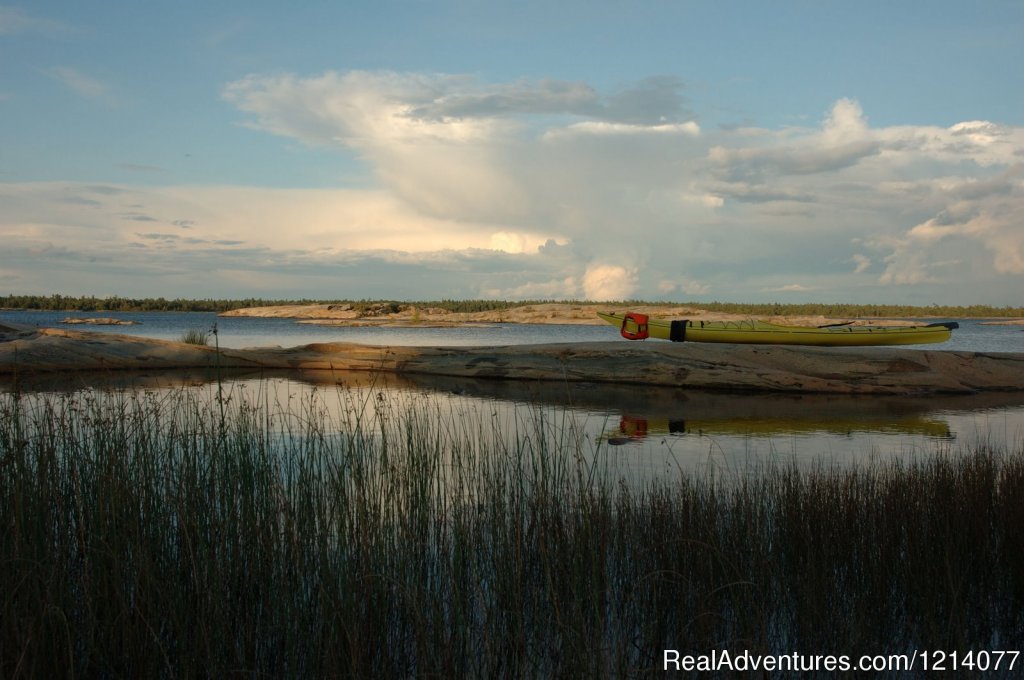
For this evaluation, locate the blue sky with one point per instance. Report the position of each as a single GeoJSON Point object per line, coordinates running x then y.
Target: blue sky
{"type": "Point", "coordinates": [746, 151]}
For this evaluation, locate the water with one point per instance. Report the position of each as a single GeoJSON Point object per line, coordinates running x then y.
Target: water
{"type": "Point", "coordinates": [631, 432]}
{"type": "Point", "coordinates": [240, 332]}
{"type": "Point", "coordinates": [634, 431]}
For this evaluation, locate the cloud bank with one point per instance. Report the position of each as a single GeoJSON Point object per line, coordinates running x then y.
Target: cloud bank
{"type": "Point", "coordinates": [550, 189]}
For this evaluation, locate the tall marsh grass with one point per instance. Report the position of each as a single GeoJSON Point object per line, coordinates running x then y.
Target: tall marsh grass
{"type": "Point", "coordinates": [155, 535]}
{"type": "Point", "coordinates": [195, 336]}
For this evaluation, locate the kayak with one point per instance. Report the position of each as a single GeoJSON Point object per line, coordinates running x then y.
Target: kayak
{"type": "Point", "coordinates": [634, 326]}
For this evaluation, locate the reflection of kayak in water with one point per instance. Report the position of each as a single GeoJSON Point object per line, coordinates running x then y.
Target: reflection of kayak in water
{"type": "Point", "coordinates": [633, 428]}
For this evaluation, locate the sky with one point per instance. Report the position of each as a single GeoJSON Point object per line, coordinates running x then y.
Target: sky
{"type": "Point", "coordinates": [792, 151]}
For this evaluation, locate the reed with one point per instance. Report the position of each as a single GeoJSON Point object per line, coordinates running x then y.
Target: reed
{"type": "Point", "coordinates": [195, 336]}
{"type": "Point", "coordinates": [153, 534]}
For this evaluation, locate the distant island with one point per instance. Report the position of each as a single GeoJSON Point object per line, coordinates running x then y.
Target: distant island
{"type": "Point", "coordinates": [408, 314]}
{"type": "Point", "coordinates": [378, 308]}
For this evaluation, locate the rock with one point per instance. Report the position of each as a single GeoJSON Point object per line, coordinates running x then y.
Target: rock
{"type": "Point", "coordinates": [101, 321]}
{"type": "Point", "coordinates": [741, 368]}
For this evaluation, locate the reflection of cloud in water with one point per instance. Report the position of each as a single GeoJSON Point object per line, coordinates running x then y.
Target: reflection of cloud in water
{"type": "Point", "coordinates": [668, 429]}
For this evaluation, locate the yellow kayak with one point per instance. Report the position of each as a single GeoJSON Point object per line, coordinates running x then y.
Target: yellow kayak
{"type": "Point", "coordinates": [634, 326]}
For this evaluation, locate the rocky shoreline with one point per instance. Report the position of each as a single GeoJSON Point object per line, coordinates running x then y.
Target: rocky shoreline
{"type": "Point", "coordinates": [404, 314]}
{"type": "Point", "coordinates": [744, 368]}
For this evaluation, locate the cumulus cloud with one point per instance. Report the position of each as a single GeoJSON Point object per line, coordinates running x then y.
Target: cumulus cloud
{"type": "Point", "coordinates": [845, 123]}
{"type": "Point", "coordinates": [442, 166]}
{"type": "Point", "coordinates": [655, 103]}
{"type": "Point", "coordinates": [355, 106]}
{"type": "Point", "coordinates": [464, 99]}
{"type": "Point", "coordinates": [976, 217]}
{"type": "Point", "coordinates": [451, 145]}
{"type": "Point", "coordinates": [555, 188]}
{"type": "Point", "coordinates": [843, 141]}
{"type": "Point", "coordinates": [608, 282]}
{"type": "Point", "coordinates": [365, 238]}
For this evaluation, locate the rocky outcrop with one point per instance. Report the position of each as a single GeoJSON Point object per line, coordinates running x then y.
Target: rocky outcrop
{"type": "Point", "coordinates": [100, 321]}
{"type": "Point", "coordinates": [51, 349]}
{"type": "Point", "coordinates": [749, 368]}
{"type": "Point", "coordinates": [699, 366]}
{"type": "Point", "coordinates": [538, 313]}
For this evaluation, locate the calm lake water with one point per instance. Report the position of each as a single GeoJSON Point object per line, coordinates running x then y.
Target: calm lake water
{"type": "Point", "coordinates": [239, 332]}
{"type": "Point", "coordinates": [636, 431]}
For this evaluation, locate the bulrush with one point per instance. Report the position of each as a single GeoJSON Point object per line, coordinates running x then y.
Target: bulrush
{"type": "Point", "coordinates": [157, 535]}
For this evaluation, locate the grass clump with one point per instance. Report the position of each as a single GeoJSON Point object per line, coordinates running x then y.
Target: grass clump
{"type": "Point", "coordinates": [195, 336]}
{"type": "Point", "coordinates": [147, 535]}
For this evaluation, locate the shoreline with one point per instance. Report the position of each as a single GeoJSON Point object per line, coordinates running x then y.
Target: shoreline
{"type": "Point", "coordinates": [715, 367]}
{"type": "Point", "coordinates": [414, 315]}
{"type": "Point", "coordinates": [543, 313]}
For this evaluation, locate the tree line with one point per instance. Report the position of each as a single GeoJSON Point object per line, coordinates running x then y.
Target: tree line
{"type": "Point", "coordinates": [88, 303]}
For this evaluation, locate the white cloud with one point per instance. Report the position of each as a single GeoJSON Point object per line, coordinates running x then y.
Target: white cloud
{"type": "Point", "coordinates": [552, 188]}
{"type": "Point", "coordinates": [444, 166]}
{"type": "Point", "coordinates": [519, 242]}
{"type": "Point", "coordinates": [843, 141]}
{"type": "Point", "coordinates": [608, 282]}
{"type": "Point", "coordinates": [982, 143]}
{"type": "Point", "coordinates": [695, 288]}
{"type": "Point", "coordinates": [451, 146]}
{"type": "Point", "coordinates": [197, 234]}
{"type": "Point", "coordinates": [863, 262]}
{"type": "Point", "coordinates": [845, 123]}
{"type": "Point", "coordinates": [606, 128]}
{"type": "Point", "coordinates": [82, 84]}
{"type": "Point", "coordinates": [315, 220]}
{"type": "Point", "coordinates": [554, 289]}
{"type": "Point", "coordinates": [14, 21]}
{"type": "Point", "coordinates": [971, 217]}
{"type": "Point", "coordinates": [908, 266]}
{"type": "Point", "coordinates": [979, 131]}
{"type": "Point", "coordinates": [790, 288]}
{"type": "Point", "coordinates": [690, 287]}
